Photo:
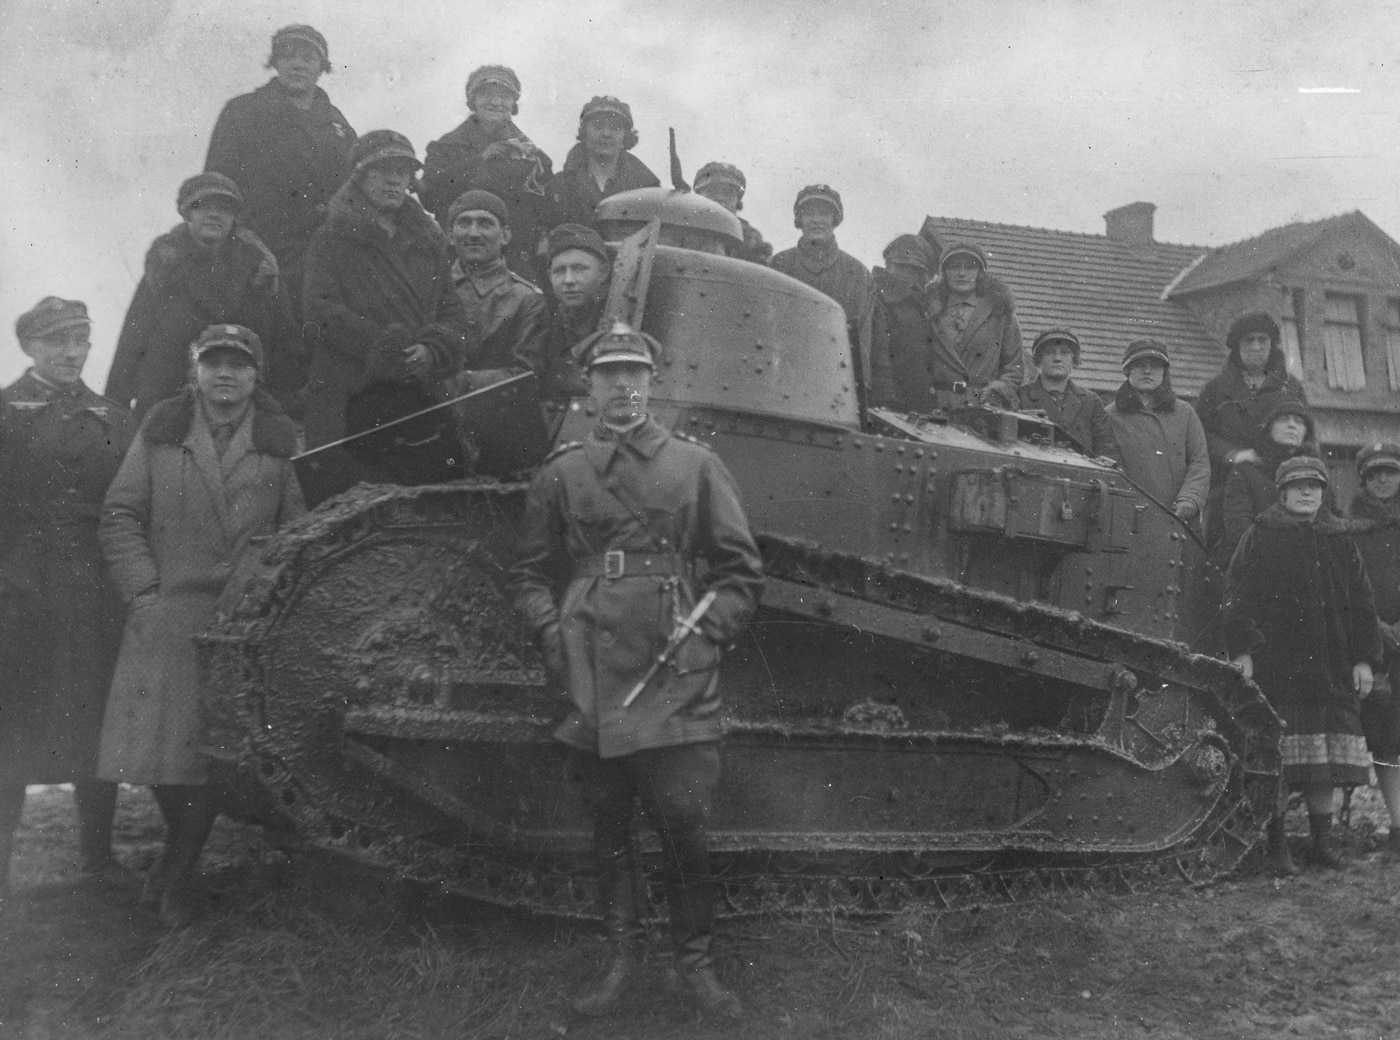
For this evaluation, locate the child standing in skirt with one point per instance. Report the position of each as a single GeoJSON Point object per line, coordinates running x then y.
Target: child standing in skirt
{"type": "Point", "coordinates": [1300, 620]}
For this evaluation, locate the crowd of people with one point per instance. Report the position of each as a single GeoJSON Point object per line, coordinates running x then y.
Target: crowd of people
{"type": "Point", "coordinates": [322, 281]}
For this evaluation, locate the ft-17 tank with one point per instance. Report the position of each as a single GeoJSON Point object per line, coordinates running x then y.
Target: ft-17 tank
{"type": "Point", "coordinates": [963, 670]}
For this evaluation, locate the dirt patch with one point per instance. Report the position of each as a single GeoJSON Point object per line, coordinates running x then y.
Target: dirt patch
{"type": "Point", "coordinates": [310, 950]}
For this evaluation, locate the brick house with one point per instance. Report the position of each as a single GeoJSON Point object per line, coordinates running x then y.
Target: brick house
{"type": "Point", "coordinates": [1332, 284]}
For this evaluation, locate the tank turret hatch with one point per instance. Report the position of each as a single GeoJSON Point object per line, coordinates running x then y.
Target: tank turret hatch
{"type": "Point", "coordinates": [688, 220]}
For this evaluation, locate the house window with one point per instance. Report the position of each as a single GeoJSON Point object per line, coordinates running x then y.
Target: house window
{"type": "Point", "coordinates": [1341, 335]}
{"type": "Point", "coordinates": [1291, 330]}
{"type": "Point", "coordinates": [1392, 341]}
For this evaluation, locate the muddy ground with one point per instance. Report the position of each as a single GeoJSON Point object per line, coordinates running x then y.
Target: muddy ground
{"type": "Point", "coordinates": [297, 949]}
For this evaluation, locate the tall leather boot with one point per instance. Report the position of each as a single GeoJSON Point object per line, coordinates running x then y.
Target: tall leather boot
{"type": "Point", "coordinates": [1324, 852]}
{"type": "Point", "coordinates": [619, 897]}
{"type": "Point", "coordinates": [1279, 860]}
{"type": "Point", "coordinates": [96, 801]}
{"type": "Point", "coordinates": [695, 976]}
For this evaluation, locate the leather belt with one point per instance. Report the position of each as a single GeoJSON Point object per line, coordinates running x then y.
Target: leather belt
{"type": "Point", "coordinates": [619, 564]}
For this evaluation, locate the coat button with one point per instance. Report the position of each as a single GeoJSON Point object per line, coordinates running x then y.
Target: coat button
{"type": "Point", "coordinates": [605, 638]}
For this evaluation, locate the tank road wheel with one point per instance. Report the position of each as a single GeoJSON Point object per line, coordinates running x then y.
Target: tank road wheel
{"type": "Point", "coordinates": [387, 699]}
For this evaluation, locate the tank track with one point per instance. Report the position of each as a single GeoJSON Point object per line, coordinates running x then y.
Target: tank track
{"type": "Point", "coordinates": [257, 759]}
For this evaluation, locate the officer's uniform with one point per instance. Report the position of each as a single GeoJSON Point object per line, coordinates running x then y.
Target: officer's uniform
{"type": "Point", "coordinates": [631, 514]}
{"type": "Point", "coordinates": [60, 619]}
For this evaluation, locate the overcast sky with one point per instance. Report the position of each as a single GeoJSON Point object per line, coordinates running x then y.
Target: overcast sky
{"type": "Point", "coordinates": [1039, 112]}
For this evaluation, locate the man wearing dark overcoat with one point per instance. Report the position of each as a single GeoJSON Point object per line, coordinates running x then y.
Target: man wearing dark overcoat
{"type": "Point", "coordinates": [60, 620]}
{"type": "Point", "coordinates": [1077, 411]}
{"type": "Point", "coordinates": [632, 509]}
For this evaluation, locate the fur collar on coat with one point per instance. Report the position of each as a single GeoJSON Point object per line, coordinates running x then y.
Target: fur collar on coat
{"type": "Point", "coordinates": [169, 422]}
{"type": "Point", "coordinates": [1163, 398]}
{"type": "Point", "coordinates": [989, 287]}
{"type": "Point", "coordinates": [1326, 522]}
{"type": "Point", "coordinates": [351, 215]}
{"type": "Point", "coordinates": [1372, 510]}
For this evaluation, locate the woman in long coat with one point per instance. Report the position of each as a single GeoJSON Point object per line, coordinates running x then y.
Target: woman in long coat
{"type": "Point", "coordinates": [1300, 619]}
{"type": "Point", "coordinates": [60, 622]}
{"type": "Point", "coordinates": [487, 151]}
{"type": "Point", "coordinates": [209, 270]}
{"type": "Point", "coordinates": [389, 325]}
{"type": "Point", "coordinates": [976, 339]}
{"type": "Point", "coordinates": [209, 471]}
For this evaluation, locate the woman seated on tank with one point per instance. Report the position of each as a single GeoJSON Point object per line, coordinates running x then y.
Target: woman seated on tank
{"type": "Point", "coordinates": [209, 471]}
{"type": "Point", "coordinates": [600, 165]}
{"type": "Point", "coordinates": [488, 152]}
{"type": "Point", "coordinates": [1287, 430]}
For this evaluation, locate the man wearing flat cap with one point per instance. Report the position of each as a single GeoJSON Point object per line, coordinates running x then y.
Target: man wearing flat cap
{"type": "Point", "coordinates": [819, 262]}
{"type": "Point", "coordinates": [208, 270]}
{"type": "Point", "coordinates": [725, 183]}
{"type": "Point", "coordinates": [580, 273]}
{"type": "Point", "coordinates": [600, 164]}
{"type": "Point", "coordinates": [60, 619]}
{"type": "Point", "coordinates": [1077, 411]}
{"type": "Point", "coordinates": [490, 153]}
{"type": "Point", "coordinates": [287, 148]}
{"type": "Point", "coordinates": [629, 513]}
{"type": "Point", "coordinates": [506, 316]}
{"type": "Point", "coordinates": [389, 325]}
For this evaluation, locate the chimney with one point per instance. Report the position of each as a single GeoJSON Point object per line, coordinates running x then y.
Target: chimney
{"type": "Point", "coordinates": [1131, 224]}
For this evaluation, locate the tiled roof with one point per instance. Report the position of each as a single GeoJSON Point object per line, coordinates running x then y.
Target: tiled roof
{"type": "Point", "coordinates": [1255, 256]}
{"type": "Point", "coordinates": [1107, 291]}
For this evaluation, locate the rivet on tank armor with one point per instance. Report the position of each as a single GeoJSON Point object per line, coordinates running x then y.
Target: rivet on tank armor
{"type": "Point", "coordinates": [932, 634]}
{"type": "Point", "coordinates": [1030, 657]}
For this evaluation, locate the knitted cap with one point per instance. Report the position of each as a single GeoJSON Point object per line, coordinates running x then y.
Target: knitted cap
{"type": "Point", "coordinates": [207, 186]}
{"type": "Point", "coordinates": [577, 236]}
{"type": "Point", "coordinates": [381, 146]}
{"type": "Point", "coordinates": [1381, 455]}
{"type": "Point", "coordinates": [1289, 406]}
{"type": "Point", "coordinates": [1145, 348]}
{"type": "Point", "coordinates": [284, 37]}
{"type": "Point", "coordinates": [1049, 336]}
{"type": "Point", "coordinates": [497, 74]}
{"type": "Point", "coordinates": [229, 337]}
{"type": "Point", "coordinates": [818, 193]}
{"type": "Point", "coordinates": [50, 315]}
{"type": "Point", "coordinates": [477, 199]}
{"type": "Point", "coordinates": [1300, 467]}
{"type": "Point", "coordinates": [619, 344]}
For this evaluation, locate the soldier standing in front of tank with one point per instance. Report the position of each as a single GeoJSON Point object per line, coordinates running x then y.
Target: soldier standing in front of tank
{"type": "Point", "coordinates": [1375, 513]}
{"type": "Point", "coordinates": [613, 530]}
{"type": "Point", "coordinates": [288, 150]}
{"type": "Point", "coordinates": [580, 273]}
{"type": "Point", "coordinates": [726, 184]}
{"type": "Point", "coordinates": [1300, 620]}
{"type": "Point", "coordinates": [819, 262]}
{"type": "Point", "coordinates": [600, 164]}
{"type": "Point", "coordinates": [60, 620]}
{"type": "Point", "coordinates": [1077, 411]}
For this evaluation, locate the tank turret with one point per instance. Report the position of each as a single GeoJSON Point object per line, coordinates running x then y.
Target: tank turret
{"type": "Point", "coordinates": [688, 220]}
